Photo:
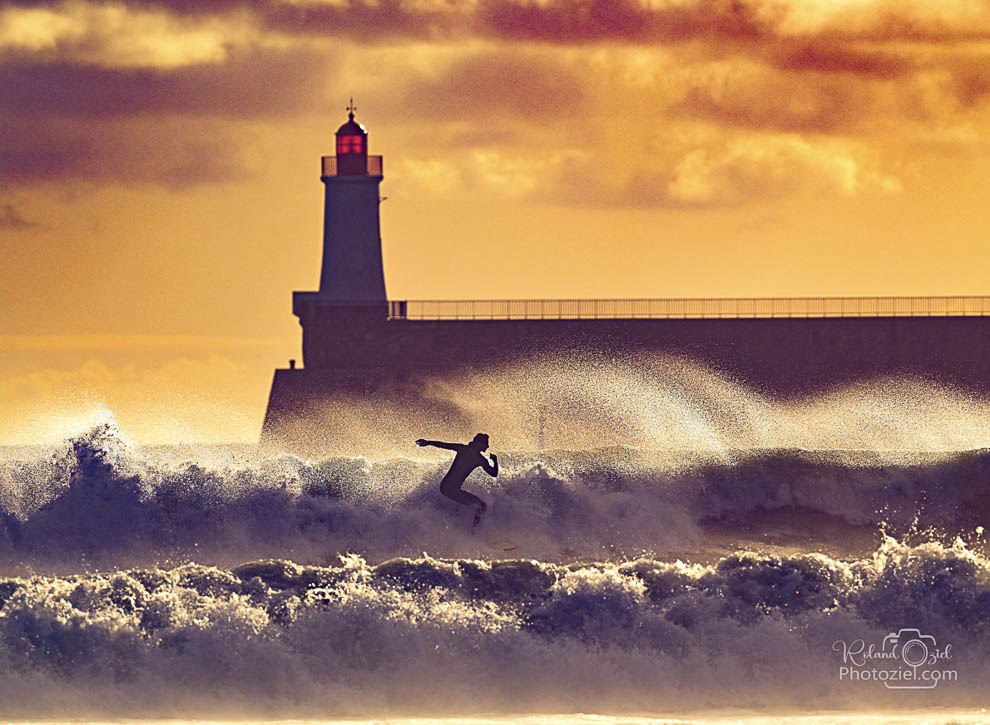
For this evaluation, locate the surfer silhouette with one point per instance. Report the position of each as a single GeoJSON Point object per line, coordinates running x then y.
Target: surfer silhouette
{"type": "Point", "coordinates": [469, 456]}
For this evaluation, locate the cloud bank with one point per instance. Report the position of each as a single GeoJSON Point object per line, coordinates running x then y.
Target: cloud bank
{"type": "Point", "coordinates": [693, 102]}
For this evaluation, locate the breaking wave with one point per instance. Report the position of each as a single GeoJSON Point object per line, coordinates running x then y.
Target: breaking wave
{"type": "Point", "coordinates": [435, 636]}
{"type": "Point", "coordinates": [637, 581]}
{"type": "Point", "coordinates": [98, 501]}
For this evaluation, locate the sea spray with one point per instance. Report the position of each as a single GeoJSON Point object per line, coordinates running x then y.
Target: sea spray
{"type": "Point", "coordinates": [646, 401]}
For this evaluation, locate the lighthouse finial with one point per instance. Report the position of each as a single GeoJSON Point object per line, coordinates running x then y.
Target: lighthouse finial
{"type": "Point", "coordinates": [351, 108]}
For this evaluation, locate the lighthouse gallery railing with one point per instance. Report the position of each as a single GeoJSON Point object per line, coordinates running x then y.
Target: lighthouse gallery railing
{"type": "Point", "coordinates": [700, 308]}
{"type": "Point", "coordinates": [328, 166]}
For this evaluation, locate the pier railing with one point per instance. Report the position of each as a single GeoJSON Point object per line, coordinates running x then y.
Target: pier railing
{"type": "Point", "coordinates": [699, 308]}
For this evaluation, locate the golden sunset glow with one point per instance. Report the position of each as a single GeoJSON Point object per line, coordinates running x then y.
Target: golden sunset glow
{"type": "Point", "coordinates": [160, 195]}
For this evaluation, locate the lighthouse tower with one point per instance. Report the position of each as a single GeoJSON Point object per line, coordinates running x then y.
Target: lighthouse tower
{"type": "Point", "coordinates": [352, 271]}
{"type": "Point", "coordinates": [351, 300]}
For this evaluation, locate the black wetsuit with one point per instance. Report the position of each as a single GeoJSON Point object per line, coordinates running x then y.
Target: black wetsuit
{"type": "Point", "coordinates": [469, 457]}
{"type": "Point", "coordinates": [466, 460]}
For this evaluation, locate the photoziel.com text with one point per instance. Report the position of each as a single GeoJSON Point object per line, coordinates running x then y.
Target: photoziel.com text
{"type": "Point", "coordinates": [905, 660]}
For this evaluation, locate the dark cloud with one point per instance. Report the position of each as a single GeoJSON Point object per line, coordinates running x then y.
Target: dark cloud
{"type": "Point", "coordinates": [60, 120]}
{"type": "Point", "coordinates": [581, 21]}
{"type": "Point", "coordinates": [63, 118]}
{"type": "Point", "coordinates": [171, 154]}
{"type": "Point", "coordinates": [564, 21]}
{"type": "Point", "coordinates": [971, 81]}
{"type": "Point", "coordinates": [364, 21]}
{"type": "Point", "coordinates": [10, 218]}
{"type": "Point", "coordinates": [819, 108]}
{"type": "Point", "coordinates": [972, 88]}
{"type": "Point", "coordinates": [625, 20]}
{"type": "Point", "coordinates": [824, 58]}
{"type": "Point", "coordinates": [248, 84]}
{"type": "Point", "coordinates": [454, 137]}
{"type": "Point", "coordinates": [496, 85]}
{"type": "Point", "coordinates": [361, 20]}
{"type": "Point", "coordinates": [890, 26]}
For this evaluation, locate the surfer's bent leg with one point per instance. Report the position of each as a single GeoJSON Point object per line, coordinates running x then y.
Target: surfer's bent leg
{"type": "Point", "coordinates": [468, 499]}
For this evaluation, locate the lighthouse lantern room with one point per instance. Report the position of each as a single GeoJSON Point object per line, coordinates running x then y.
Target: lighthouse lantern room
{"type": "Point", "coordinates": [352, 147]}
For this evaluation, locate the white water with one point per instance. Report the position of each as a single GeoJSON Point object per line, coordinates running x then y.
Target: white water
{"type": "Point", "coordinates": [124, 594]}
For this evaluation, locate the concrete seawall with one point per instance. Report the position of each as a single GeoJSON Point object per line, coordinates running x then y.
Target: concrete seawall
{"type": "Point", "coordinates": [358, 359]}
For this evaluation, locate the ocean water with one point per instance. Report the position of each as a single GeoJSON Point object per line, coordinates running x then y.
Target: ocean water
{"type": "Point", "coordinates": [630, 583]}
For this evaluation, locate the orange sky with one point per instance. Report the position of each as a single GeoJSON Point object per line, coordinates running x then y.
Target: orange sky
{"type": "Point", "coordinates": [160, 194]}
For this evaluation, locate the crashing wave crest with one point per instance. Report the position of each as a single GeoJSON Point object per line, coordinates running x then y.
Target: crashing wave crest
{"type": "Point", "coordinates": [100, 501]}
{"type": "Point", "coordinates": [411, 635]}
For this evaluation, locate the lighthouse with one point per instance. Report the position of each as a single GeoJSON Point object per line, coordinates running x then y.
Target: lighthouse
{"type": "Point", "coordinates": [352, 272]}
{"type": "Point", "coordinates": [351, 298]}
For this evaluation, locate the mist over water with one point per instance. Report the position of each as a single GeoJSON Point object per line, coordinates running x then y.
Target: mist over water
{"type": "Point", "coordinates": [660, 402]}
{"type": "Point", "coordinates": [677, 543]}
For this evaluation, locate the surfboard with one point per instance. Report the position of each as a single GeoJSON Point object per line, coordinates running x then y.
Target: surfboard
{"type": "Point", "coordinates": [503, 545]}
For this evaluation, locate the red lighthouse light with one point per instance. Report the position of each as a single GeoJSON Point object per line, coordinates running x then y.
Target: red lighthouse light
{"type": "Point", "coordinates": [352, 147]}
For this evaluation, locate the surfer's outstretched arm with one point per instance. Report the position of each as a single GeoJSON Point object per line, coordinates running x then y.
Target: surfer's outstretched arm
{"type": "Point", "coordinates": [490, 468]}
{"type": "Point", "coordinates": [440, 444]}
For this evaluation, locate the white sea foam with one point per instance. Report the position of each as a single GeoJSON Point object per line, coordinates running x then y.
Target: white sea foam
{"type": "Point", "coordinates": [435, 636]}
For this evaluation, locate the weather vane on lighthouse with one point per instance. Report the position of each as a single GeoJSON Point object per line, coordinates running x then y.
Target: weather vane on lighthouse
{"type": "Point", "coordinates": [351, 108]}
